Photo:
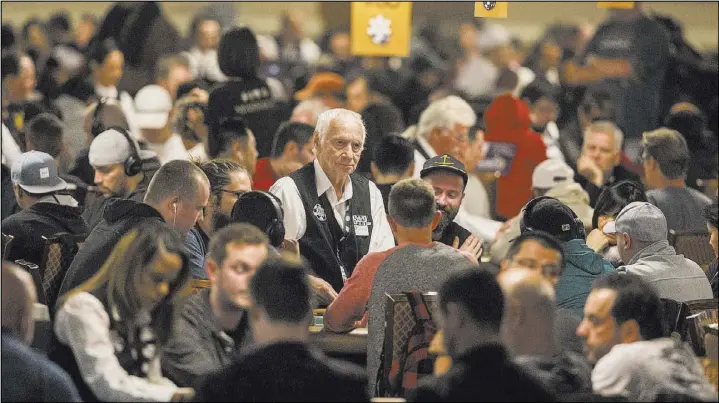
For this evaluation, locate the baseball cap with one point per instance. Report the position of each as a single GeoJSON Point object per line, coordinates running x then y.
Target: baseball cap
{"type": "Point", "coordinates": [444, 162]}
{"type": "Point", "coordinates": [111, 147]}
{"type": "Point", "coordinates": [152, 107]}
{"type": "Point", "coordinates": [642, 221]}
{"type": "Point", "coordinates": [321, 83]}
{"type": "Point", "coordinates": [553, 217]}
{"type": "Point", "coordinates": [551, 173]}
{"type": "Point", "coordinates": [36, 173]}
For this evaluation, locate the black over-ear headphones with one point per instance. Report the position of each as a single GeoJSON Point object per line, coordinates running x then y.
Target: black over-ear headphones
{"type": "Point", "coordinates": [97, 126]}
{"type": "Point", "coordinates": [576, 232]}
{"type": "Point", "coordinates": [133, 163]}
{"type": "Point", "coordinates": [245, 210]}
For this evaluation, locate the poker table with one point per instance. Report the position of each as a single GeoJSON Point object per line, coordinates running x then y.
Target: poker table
{"type": "Point", "coordinates": [351, 346]}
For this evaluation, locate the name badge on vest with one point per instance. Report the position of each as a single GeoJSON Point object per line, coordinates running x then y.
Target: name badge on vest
{"type": "Point", "coordinates": [361, 225]}
{"type": "Point", "coordinates": [319, 212]}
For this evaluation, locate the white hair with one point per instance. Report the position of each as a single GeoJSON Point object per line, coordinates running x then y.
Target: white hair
{"type": "Point", "coordinates": [446, 113]}
{"type": "Point", "coordinates": [315, 107]}
{"type": "Point", "coordinates": [607, 127]}
{"type": "Point", "coordinates": [344, 115]}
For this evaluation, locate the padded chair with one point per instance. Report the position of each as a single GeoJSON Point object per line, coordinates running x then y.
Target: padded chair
{"type": "Point", "coordinates": [34, 271]}
{"type": "Point", "coordinates": [60, 250]}
{"type": "Point", "coordinates": [687, 320]}
{"type": "Point", "coordinates": [399, 322]}
{"type": "Point", "coordinates": [693, 245]}
{"type": "Point", "coordinates": [701, 312]}
{"type": "Point", "coordinates": [6, 244]}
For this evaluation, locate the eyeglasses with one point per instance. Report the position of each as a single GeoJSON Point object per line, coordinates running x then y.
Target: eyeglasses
{"type": "Point", "coordinates": [237, 193]}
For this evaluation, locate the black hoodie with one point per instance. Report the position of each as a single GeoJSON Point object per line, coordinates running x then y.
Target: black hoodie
{"type": "Point", "coordinates": [119, 217]}
{"type": "Point", "coordinates": [40, 219]}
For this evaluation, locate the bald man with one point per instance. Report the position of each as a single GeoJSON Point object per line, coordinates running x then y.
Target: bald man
{"type": "Point", "coordinates": [18, 300]}
{"type": "Point", "coordinates": [26, 375]}
{"type": "Point", "coordinates": [528, 332]}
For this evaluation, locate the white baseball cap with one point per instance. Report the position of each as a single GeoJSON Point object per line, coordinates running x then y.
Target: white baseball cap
{"type": "Point", "coordinates": [551, 173]}
{"type": "Point", "coordinates": [152, 107]}
{"type": "Point", "coordinates": [111, 147]}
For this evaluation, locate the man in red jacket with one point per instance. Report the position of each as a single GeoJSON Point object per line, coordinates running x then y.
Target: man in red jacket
{"type": "Point", "coordinates": [507, 120]}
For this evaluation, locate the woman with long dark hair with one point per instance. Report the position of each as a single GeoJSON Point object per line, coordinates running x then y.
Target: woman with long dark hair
{"type": "Point", "coordinates": [111, 329]}
{"type": "Point", "coordinates": [610, 202]}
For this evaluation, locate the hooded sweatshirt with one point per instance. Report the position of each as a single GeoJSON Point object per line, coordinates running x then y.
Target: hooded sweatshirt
{"type": "Point", "coordinates": [570, 194]}
{"type": "Point", "coordinates": [119, 217]}
{"type": "Point", "coordinates": [581, 266]}
{"type": "Point", "coordinates": [508, 121]}
{"type": "Point", "coordinates": [47, 217]}
{"type": "Point", "coordinates": [674, 276]}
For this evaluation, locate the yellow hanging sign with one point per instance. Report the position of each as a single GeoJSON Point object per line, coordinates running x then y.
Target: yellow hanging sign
{"type": "Point", "coordinates": [491, 9]}
{"type": "Point", "coordinates": [627, 5]}
{"type": "Point", "coordinates": [381, 28]}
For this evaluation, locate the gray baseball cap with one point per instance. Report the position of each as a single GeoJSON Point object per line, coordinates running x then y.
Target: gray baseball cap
{"type": "Point", "coordinates": [642, 221]}
{"type": "Point", "coordinates": [36, 173]}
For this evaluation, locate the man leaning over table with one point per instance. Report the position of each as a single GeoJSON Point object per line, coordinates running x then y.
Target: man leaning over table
{"type": "Point", "coordinates": [214, 323]}
{"type": "Point", "coordinates": [417, 263]}
{"type": "Point", "coordinates": [336, 215]}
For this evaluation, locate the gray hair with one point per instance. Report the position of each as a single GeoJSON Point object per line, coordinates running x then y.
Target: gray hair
{"type": "Point", "coordinates": [669, 148]}
{"type": "Point", "coordinates": [607, 127]}
{"type": "Point", "coordinates": [411, 203]}
{"type": "Point", "coordinates": [325, 119]}
{"type": "Point", "coordinates": [178, 178]}
{"type": "Point", "coordinates": [314, 107]}
{"type": "Point", "coordinates": [446, 113]}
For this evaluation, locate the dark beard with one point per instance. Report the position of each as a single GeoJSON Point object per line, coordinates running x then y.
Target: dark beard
{"type": "Point", "coordinates": [448, 216]}
{"type": "Point", "coordinates": [220, 220]}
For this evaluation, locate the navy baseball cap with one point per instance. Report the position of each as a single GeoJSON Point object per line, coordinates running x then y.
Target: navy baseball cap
{"type": "Point", "coordinates": [444, 162]}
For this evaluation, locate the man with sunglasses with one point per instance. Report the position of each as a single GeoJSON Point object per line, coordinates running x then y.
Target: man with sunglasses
{"type": "Point", "coordinates": [228, 181]}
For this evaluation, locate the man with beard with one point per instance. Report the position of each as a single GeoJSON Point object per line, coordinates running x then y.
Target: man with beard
{"type": "Point", "coordinates": [109, 154]}
{"type": "Point", "coordinates": [214, 323]}
{"type": "Point", "coordinates": [448, 177]}
{"type": "Point", "coordinates": [228, 181]}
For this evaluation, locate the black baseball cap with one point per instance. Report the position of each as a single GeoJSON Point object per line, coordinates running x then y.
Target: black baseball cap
{"type": "Point", "coordinates": [444, 162]}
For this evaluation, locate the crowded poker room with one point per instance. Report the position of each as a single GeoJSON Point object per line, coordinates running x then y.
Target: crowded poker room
{"type": "Point", "coordinates": [359, 201]}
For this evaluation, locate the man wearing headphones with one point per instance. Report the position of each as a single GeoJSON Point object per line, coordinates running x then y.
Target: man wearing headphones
{"type": "Point", "coordinates": [120, 170]}
{"type": "Point", "coordinates": [177, 195]}
{"type": "Point", "coordinates": [581, 264]}
{"type": "Point", "coordinates": [264, 211]}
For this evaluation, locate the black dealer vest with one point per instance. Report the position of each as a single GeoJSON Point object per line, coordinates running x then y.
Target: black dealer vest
{"type": "Point", "coordinates": [325, 244]}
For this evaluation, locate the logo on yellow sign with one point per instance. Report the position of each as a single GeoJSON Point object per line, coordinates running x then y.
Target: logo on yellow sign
{"type": "Point", "coordinates": [491, 9]}
{"type": "Point", "coordinates": [381, 28]}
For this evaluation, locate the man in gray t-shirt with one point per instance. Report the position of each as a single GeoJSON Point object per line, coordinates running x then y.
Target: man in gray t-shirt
{"type": "Point", "coordinates": [665, 158]}
{"type": "Point", "coordinates": [416, 263]}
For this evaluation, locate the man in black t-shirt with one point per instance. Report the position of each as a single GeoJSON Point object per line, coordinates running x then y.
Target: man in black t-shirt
{"type": "Point", "coordinates": [448, 177]}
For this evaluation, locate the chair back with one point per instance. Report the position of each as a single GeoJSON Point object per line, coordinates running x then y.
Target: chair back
{"type": "Point", "coordinates": [399, 322]}
{"type": "Point", "coordinates": [6, 244]}
{"type": "Point", "coordinates": [60, 250]}
{"type": "Point", "coordinates": [693, 245]}
{"type": "Point", "coordinates": [701, 312]}
{"type": "Point", "coordinates": [34, 271]}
